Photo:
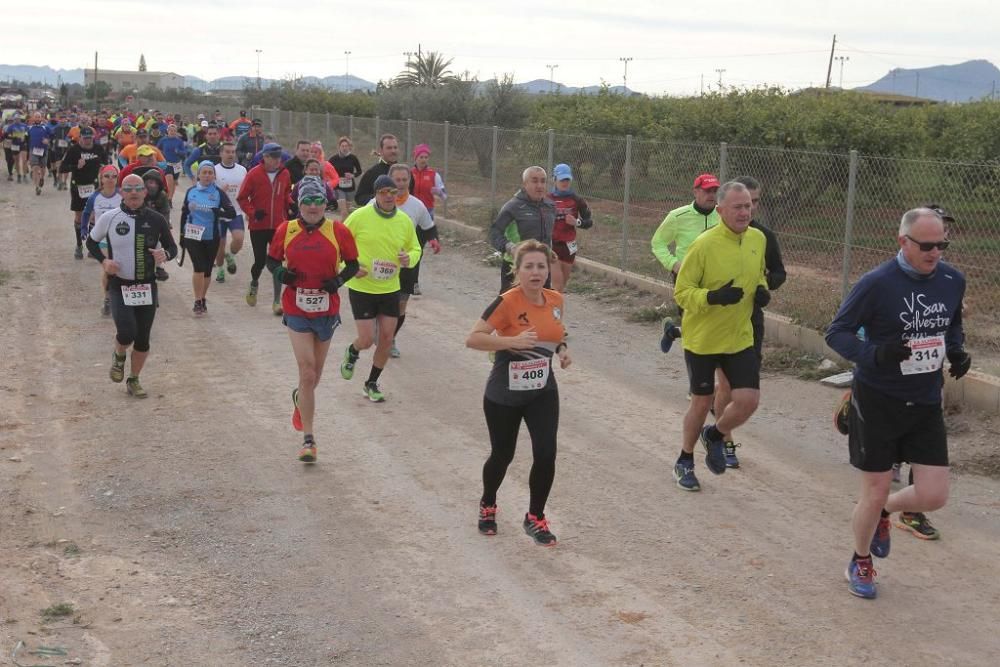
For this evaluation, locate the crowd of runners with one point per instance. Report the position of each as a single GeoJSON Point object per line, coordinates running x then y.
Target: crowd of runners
{"type": "Point", "coordinates": [320, 224]}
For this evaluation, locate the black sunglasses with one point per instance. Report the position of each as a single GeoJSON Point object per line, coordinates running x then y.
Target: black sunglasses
{"type": "Point", "coordinates": [927, 246]}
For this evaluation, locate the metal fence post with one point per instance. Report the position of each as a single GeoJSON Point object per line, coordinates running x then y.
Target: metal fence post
{"type": "Point", "coordinates": [275, 120]}
{"type": "Point", "coordinates": [493, 174]}
{"type": "Point", "coordinates": [627, 171]}
{"type": "Point", "coordinates": [552, 146]}
{"type": "Point", "coordinates": [350, 126]}
{"type": "Point", "coordinates": [723, 162]}
{"type": "Point", "coordinates": [327, 123]}
{"type": "Point", "coordinates": [308, 136]}
{"type": "Point", "coordinates": [852, 191]}
{"type": "Point", "coordinates": [444, 175]}
{"type": "Point", "coordinates": [409, 138]}
{"type": "Point", "coordinates": [378, 130]}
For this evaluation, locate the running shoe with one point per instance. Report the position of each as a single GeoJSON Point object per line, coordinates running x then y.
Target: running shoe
{"type": "Point", "coordinates": [347, 365]}
{"type": "Point", "coordinates": [220, 275]}
{"type": "Point", "coordinates": [38, 190]}
{"type": "Point", "coordinates": [416, 289]}
{"type": "Point", "coordinates": [78, 253]}
{"type": "Point", "coordinates": [106, 308]}
{"type": "Point", "coordinates": [19, 178]}
{"type": "Point", "coordinates": [918, 524]}
{"type": "Point", "coordinates": [731, 460]}
{"type": "Point", "coordinates": [488, 519]}
{"type": "Point", "coordinates": [198, 310]}
{"type": "Point", "coordinates": [231, 264]}
{"type": "Point", "coordinates": [117, 372]}
{"type": "Point", "coordinates": [296, 417]}
{"type": "Point", "coordinates": [308, 452]}
{"type": "Point", "coordinates": [861, 578]}
{"type": "Point", "coordinates": [252, 294]}
{"type": "Point", "coordinates": [161, 274]}
{"type": "Point", "coordinates": [10, 177]}
{"type": "Point", "coordinates": [895, 472]}
{"type": "Point", "coordinates": [133, 388]}
{"type": "Point", "coordinates": [881, 541]}
{"type": "Point", "coordinates": [539, 531]}
{"type": "Point", "coordinates": [715, 458]}
{"type": "Point", "coordinates": [372, 392]}
{"type": "Point", "coordinates": [671, 332]}
{"type": "Point", "coordinates": [840, 416]}
{"type": "Point", "coordinates": [394, 351]}
{"type": "Point", "coordinates": [684, 474]}
{"type": "Point", "coordinates": [276, 308]}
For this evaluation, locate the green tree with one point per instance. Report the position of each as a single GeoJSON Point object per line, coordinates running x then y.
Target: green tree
{"type": "Point", "coordinates": [142, 62]}
{"type": "Point", "coordinates": [427, 70]}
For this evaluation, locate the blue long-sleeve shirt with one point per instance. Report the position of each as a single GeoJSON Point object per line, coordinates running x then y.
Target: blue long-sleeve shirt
{"type": "Point", "coordinates": [895, 307]}
{"type": "Point", "coordinates": [173, 149]}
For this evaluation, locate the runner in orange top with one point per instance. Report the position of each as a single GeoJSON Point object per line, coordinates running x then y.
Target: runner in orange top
{"type": "Point", "coordinates": [127, 154]}
{"type": "Point", "coordinates": [527, 321]}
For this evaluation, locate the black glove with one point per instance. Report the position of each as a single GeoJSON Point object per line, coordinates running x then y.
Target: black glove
{"type": "Point", "coordinates": [259, 215]}
{"type": "Point", "coordinates": [762, 297]}
{"type": "Point", "coordinates": [726, 295]}
{"type": "Point", "coordinates": [960, 362]}
{"type": "Point", "coordinates": [286, 275]}
{"type": "Point", "coordinates": [890, 354]}
{"type": "Point", "coordinates": [331, 285]}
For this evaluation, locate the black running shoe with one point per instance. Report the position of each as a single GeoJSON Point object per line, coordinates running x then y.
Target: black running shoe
{"type": "Point", "coordinates": [539, 531]}
{"type": "Point", "coordinates": [488, 519]}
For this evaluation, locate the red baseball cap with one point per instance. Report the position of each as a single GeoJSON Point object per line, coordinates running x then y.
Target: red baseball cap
{"type": "Point", "coordinates": [706, 182]}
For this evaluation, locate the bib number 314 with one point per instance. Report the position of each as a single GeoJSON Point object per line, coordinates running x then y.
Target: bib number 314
{"type": "Point", "coordinates": [927, 356]}
{"type": "Point", "coordinates": [529, 374]}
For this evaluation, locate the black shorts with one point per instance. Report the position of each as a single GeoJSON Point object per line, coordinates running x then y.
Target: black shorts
{"type": "Point", "coordinates": [76, 202]}
{"type": "Point", "coordinates": [883, 431]}
{"type": "Point", "coordinates": [407, 279]}
{"type": "Point", "coordinates": [367, 306]}
{"type": "Point", "coordinates": [202, 254]}
{"type": "Point", "coordinates": [742, 369]}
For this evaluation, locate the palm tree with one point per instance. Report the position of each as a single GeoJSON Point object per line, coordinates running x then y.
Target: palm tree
{"type": "Point", "coordinates": [428, 70]}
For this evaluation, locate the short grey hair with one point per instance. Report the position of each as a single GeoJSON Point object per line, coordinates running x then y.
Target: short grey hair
{"type": "Point", "coordinates": [727, 187]}
{"type": "Point", "coordinates": [749, 181]}
{"type": "Point", "coordinates": [914, 214]}
{"type": "Point", "coordinates": [399, 166]}
{"type": "Point", "coordinates": [530, 170]}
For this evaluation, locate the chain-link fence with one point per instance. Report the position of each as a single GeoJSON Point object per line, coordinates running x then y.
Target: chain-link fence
{"type": "Point", "coordinates": [835, 215]}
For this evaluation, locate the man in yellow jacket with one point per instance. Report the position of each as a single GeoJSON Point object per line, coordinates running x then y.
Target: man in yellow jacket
{"type": "Point", "coordinates": [683, 225]}
{"type": "Point", "coordinates": [720, 280]}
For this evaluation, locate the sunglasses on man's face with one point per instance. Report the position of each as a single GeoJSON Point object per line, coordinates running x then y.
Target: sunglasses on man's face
{"type": "Point", "coordinates": [927, 246]}
{"type": "Point", "coordinates": [133, 188]}
{"type": "Point", "coordinates": [313, 201]}
{"type": "Point", "coordinates": [388, 191]}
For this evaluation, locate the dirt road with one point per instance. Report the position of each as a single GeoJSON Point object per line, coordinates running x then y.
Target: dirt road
{"type": "Point", "coordinates": [183, 532]}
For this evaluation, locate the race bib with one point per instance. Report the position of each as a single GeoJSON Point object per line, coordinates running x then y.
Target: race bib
{"type": "Point", "coordinates": [102, 140]}
{"type": "Point", "coordinates": [137, 295]}
{"type": "Point", "coordinates": [7, 143]}
{"type": "Point", "coordinates": [346, 182]}
{"type": "Point", "coordinates": [383, 270]}
{"type": "Point", "coordinates": [38, 151]}
{"type": "Point", "coordinates": [312, 300]}
{"type": "Point", "coordinates": [528, 375]}
{"type": "Point", "coordinates": [194, 232]}
{"type": "Point", "coordinates": [572, 247]}
{"type": "Point", "coordinates": [84, 191]}
{"type": "Point", "coordinates": [15, 149]}
{"type": "Point", "coordinates": [62, 143]}
{"type": "Point", "coordinates": [928, 356]}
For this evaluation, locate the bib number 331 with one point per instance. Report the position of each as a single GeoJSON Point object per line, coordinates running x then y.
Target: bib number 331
{"type": "Point", "coordinates": [137, 295]}
{"type": "Point", "coordinates": [529, 374]}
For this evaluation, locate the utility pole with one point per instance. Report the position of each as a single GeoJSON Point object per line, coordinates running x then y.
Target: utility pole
{"type": "Point", "coordinates": [97, 106]}
{"type": "Point", "coordinates": [893, 73]}
{"type": "Point", "coordinates": [347, 71]}
{"type": "Point", "coordinates": [259, 51]}
{"type": "Point", "coordinates": [993, 93]}
{"type": "Point", "coordinates": [829, 67]}
{"type": "Point", "coordinates": [552, 76]}
{"type": "Point", "coordinates": [842, 59]}
{"type": "Point", "coordinates": [625, 77]}
{"type": "Point", "coordinates": [917, 92]}
{"type": "Point", "coordinates": [720, 72]}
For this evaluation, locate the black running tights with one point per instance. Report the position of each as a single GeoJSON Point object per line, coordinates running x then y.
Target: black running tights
{"type": "Point", "coordinates": [259, 240]}
{"type": "Point", "coordinates": [541, 416]}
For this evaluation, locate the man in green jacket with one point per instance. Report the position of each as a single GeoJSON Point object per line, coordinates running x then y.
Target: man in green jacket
{"type": "Point", "coordinates": [683, 225]}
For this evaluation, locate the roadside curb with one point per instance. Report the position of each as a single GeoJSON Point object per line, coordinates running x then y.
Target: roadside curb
{"type": "Point", "coordinates": [976, 390]}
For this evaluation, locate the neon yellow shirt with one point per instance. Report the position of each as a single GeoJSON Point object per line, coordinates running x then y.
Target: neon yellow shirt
{"type": "Point", "coordinates": [713, 259]}
{"type": "Point", "coordinates": [380, 238]}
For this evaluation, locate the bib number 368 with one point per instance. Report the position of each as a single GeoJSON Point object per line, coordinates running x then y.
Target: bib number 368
{"type": "Point", "coordinates": [529, 374]}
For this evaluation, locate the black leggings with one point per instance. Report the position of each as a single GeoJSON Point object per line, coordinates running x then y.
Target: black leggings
{"type": "Point", "coordinates": [9, 155]}
{"type": "Point", "coordinates": [259, 240]}
{"type": "Point", "coordinates": [504, 421]}
{"type": "Point", "coordinates": [133, 323]}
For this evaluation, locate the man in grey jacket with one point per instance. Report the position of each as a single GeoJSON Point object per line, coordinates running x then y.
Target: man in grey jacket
{"type": "Point", "coordinates": [527, 215]}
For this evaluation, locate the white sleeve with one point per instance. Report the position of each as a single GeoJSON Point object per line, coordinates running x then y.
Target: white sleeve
{"type": "Point", "coordinates": [439, 186]}
{"type": "Point", "coordinates": [103, 225]}
{"type": "Point", "coordinates": [424, 220]}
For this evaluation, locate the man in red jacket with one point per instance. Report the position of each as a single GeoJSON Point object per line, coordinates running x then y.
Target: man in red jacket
{"type": "Point", "coordinates": [264, 198]}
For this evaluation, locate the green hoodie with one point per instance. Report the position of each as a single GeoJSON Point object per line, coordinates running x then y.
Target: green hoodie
{"type": "Point", "coordinates": [681, 227]}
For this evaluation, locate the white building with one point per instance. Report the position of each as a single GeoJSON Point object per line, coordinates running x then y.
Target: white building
{"type": "Point", "coordinates": [124, 81]}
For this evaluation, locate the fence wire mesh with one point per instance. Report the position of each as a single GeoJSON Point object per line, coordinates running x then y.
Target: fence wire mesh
{"type": "Point", "coordinates": [631, 185]}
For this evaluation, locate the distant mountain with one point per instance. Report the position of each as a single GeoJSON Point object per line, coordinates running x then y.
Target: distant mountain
{"type": "Point", "coordinates": [544, 87]}
{"type": "Point", "coordinates": [965, 82]}
{"type": "Point", "coordinates": [333, 82]}
{"type": "Point", "coordinates": [46, 75]}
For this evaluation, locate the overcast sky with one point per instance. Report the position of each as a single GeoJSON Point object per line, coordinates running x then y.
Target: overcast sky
{"type": "Point", "coordinates": [673, 45]}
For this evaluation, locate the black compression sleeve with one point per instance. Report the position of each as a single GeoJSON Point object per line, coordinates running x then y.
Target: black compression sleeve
{"type": "Point", "coordinates": [94, 248]}
{"type": "Point", "coordinates": [351, 268]}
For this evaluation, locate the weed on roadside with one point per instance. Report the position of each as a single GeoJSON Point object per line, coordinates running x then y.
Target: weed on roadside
{"type": "Point", "coordinates": [56, 611]}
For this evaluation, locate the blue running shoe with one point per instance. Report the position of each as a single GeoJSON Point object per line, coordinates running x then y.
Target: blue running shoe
{"type": "Point", "coordinates": [671, 332]}
{"type": "Point", "coordinates": [861, 579]}
{"type": "Point", "coordinates": [732, 461]}
{"type": "Point", "coordinates": [881, 539]}
{"type": "Point", "coordinates": [715, 459]}
{"type": "Point", "coordinates": [684, 474]}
